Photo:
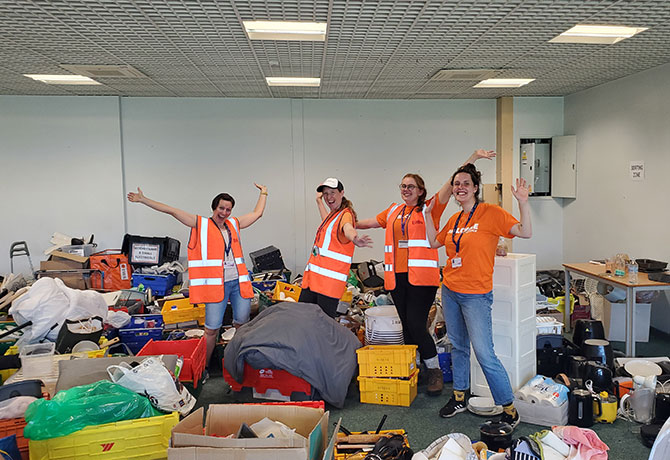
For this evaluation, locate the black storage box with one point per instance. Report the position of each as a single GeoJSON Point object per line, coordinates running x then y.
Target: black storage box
{"type": "Point", "coordinates": [267, 259]}
{"type": "Point", "coordinates": [145, 251]}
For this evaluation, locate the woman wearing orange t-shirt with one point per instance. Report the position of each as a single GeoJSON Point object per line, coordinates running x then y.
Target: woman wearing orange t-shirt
{"type": "Point", "coordinates": [326, 273]}
{"type": "Point", "coordinates": [470, 238]}
{"type": "Point", "coordinates": [411, 270]}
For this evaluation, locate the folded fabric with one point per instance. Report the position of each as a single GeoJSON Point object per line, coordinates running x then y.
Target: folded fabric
{"type": "Point", "coordinates": [550, 439]}
{"type": "Point", "coordinates": [586, 445]}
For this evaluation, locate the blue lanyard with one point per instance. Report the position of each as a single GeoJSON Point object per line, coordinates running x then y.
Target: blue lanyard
{"type": "Point", "coordinates": [403, 220]}
{"type": "Point", "coordinates": [230, 239]}
{"type": "Point", "coordinates": [453, 238]}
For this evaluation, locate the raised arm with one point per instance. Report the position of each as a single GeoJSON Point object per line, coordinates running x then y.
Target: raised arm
{"type": "Point", "coordinates": [247, 219]}
{"type": "Point", "coordinates": [323, 212]}
{"type": "Point", "coordinates": [431, 231]}
{"type": "Point", "coordinates": [190, 220]}
{"type": "Point", "coordinates": [362, 241]}
{"type": "Point", "coordinates": [444, 193]}
{"type": "Point", "coordinates": [523, 229]}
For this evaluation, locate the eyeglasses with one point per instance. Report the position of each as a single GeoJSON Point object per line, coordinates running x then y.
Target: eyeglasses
{"type": "Point", "coordinates": [409, 187]}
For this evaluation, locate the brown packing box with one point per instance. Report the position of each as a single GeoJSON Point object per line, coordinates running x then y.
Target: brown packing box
{"type": "Point", "coordinates": [64, 261]}
{"type": "Point", "coordinates": [188, 441]}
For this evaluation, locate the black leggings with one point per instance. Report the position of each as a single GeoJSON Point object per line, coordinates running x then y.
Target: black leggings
{"type": "Point", "coordinates": [327, 304]}
{"type": "Point", "coordinates": [413, 305]}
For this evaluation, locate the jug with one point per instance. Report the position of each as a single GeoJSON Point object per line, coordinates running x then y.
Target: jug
{"type": "Point", "coordinates": [639, 405]}
{"type": "Point", "coordinates": [608, 408]}
{"type": "Point", "coordinates": [581, 408]}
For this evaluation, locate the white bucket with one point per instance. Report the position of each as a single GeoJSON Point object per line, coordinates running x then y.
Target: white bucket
{"type": "Point", "coordinates": [383, 326]}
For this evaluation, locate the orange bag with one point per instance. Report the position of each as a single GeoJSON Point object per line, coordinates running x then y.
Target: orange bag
{"type": "Point", "coordinates": [116, 268]}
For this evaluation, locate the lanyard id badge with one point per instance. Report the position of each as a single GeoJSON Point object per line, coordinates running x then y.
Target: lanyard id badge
{"type": "Point", "coordinates": [403, 244]}
{"type": "Point", "coordinates": [456, 261]}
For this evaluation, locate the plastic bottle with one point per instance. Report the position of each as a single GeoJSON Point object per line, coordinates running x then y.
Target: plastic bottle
{"type": "Point", "coordinates": [632, 271]}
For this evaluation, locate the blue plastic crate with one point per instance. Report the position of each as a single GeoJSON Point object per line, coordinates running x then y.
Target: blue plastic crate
{"type": "Point", "coordinates": [159, 284]}
{"type": "Point", "coordinates": [137, 333]}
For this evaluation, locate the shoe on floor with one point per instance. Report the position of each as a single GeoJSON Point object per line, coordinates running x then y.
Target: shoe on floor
{"type": "Point", "coordinates": [205, 376]}
{"type": "Point", "coordinates": [435, 382]}
{"type": "Point", "coordinates": [512, 420]}
{"type": "Point", "coordinates": [454, 407]}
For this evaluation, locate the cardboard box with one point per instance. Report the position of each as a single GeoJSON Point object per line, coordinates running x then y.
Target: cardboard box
{"type": "Point", "coordinates": [188, 441]}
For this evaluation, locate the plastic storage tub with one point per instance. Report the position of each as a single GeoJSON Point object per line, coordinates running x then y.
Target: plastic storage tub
{"type": "Point", "coordinates": [15, 426]}
{"type": "Point", "coordinates": [182, 310]}
{"type": "Point", "coordinates": [262, 380]}
{"type": "Point", "coordinates": [192, 350]}
{"type": "Point", "coordinates": [391, 391]}
{"type": "Point", "coordinates": [145, 251]}
{"type": "Point", "coordinates": [386, 360]}
{"type": "Point", "coordinates": [542, 414]}
{"type": "Point", "coordinates": [159, 284]}
{"type": "Point", "coordinates": [140, 330]}
{"type": "Point", "coordinates": [37, 359]}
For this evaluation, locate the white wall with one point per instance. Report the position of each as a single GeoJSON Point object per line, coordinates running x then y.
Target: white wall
{"type": "Point", "coordinates": [623, 121]}
{"type": "Point", "coordinates": [540, 117]}
{"type": "Point", "coordinates": [67, 163]}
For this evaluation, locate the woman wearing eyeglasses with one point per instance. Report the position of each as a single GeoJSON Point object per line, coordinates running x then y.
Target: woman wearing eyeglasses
{"type": "Point", "coordinates": [411, 268]}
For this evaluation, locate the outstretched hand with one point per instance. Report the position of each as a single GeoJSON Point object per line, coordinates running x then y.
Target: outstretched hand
{"type": "Point", "coordinates": [481, 153]}
{"type": "Point", "coordinates": [363, 241]}
{"type": "Point", "coordinates": [136, 197]}
{"type": "Point", "coordinates": [261, 187]}
{"type": "Point", "coordinates": [429, 206]}
{"type": "Point", "coordinates": [521, 193]}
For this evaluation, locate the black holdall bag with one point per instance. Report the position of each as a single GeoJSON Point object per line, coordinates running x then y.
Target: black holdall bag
{"type": "Point", "coordinates": [74, 331]}
{"type": "Point", "coordinates": [368, 274]}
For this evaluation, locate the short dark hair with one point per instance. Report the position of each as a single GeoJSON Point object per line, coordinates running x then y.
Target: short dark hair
{"type": "Point", "coordinates": [224, 197]}
{"type": "Point", "coordinates": [475, 176]}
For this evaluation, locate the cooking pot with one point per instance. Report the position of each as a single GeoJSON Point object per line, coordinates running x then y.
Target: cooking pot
{"type": "Point", "coordinates": [599, 374]}
{"type": "Point", "coordinates": [587, 329]}
{"type": "Point", "coordinates": [598, 350]}
{"type": "Point", "coordinates": [496, 435]}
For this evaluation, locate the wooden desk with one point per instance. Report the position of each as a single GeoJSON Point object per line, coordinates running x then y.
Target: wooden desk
{"type": "Point", "coordinates": [597, 272]}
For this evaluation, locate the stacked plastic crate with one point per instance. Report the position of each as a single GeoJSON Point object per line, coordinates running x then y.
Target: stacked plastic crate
{"type": "Point", "coordinates": [388, 374]}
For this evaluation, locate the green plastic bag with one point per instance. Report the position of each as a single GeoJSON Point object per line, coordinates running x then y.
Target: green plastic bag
{"type": "Point", "coordinates": [95, 404]}
{"type": "Point", "coordinates": [353, 280]}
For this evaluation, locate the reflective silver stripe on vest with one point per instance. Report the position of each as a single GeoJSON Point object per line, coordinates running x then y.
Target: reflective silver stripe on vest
{"type": "Point", "coordinates": [388, 267]}
{"type": "Point", "coordinates": [206, 282]}
{"type": "Point", "coordinates": [204, 226]}
{"type": "Point", "coordinates": [243, 278]}
{"type": "Point", "coordinates": [418, 244]}
{"type": "Point", "coordinates": [323, 249]}
{"type": "Point", "coordinates": [325, 272]}
{"type": "Point", "coordinates": [388, 248]}
{"type": "Point", "coordinates": [422, 263]}
{"type": "Point", "coordinates": [232, 221]}
{"type": "Point", "coordinates": [205, 263]}
{"type": "Point", "coordinates": [388, 214]}
{"type": "Point", "coordinates": [239, 260]}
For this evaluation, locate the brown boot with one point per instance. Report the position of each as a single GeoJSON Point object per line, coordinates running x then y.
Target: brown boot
{"type": "Point", "coordinates": [435, 382]}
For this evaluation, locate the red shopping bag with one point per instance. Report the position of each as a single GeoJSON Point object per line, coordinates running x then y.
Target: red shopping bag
{"type": "Point", "coordinates": [115, 267]}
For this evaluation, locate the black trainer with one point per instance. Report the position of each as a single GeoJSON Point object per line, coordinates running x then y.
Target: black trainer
{"type": "Point", "coordinates": [454, 407]}
{"type": "Point", "coordinates": [513, 421]}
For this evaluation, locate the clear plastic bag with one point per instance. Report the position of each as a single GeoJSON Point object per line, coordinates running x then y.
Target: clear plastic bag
{"type": "Point", "coordinates": [95, 404]}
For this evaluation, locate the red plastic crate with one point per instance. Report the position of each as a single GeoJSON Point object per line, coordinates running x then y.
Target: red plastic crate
{"type": "Point", "coordinates": [15, 426]}
{"type": "Point", "coordinates": [312, 404]}
{"type": "Point", "coordinates": [193, 351]}
{"type": "Point", "coordinates": [263, 380]}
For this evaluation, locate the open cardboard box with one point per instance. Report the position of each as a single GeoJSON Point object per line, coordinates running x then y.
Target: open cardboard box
{"type": "Point", "coordinates": [59, 260]}
{"type": "Point", "coordinates": [189, 442]}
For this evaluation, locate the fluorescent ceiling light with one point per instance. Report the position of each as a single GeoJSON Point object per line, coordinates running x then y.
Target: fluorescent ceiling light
{"type": "Point", "coordinates": [583, 33]}
{"type": "Point", "coordinates": [286, 30]}
{"type": "Point", "coordinates": [503, 82]}
{"type": "Point", "coordinates": [292, 81]}
{"type": "Point", "coordinates": [62, 79]}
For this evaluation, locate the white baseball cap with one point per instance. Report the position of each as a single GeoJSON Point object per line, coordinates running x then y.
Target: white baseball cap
{"type": "Point", "coordinates": [331, 182]}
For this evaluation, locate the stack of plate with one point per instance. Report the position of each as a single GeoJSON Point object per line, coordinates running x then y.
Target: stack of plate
{"type": "Point", "coordinates": [483, 406]}
{"type": "Point", "coordinates": [383, 326]}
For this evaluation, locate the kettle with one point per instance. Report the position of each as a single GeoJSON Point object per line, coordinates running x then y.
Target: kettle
{"type": "Point", "coordinates": [608, 408]}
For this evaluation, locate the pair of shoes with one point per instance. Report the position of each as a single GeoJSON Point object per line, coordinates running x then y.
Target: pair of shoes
{"type": "Point", "coordinates": [435, 382]}
{"type": "Point", "coordinates": [454, 407]}
{"type": "Point", "coordinates": [513, 421]}
{"type": "Point", "coordinates": [205, 376]}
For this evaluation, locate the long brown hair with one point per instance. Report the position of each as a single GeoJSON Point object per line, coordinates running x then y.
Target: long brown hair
{"type": "Point", "coordinates": [422, 186]}
{"type": "Point", "coordinates": [348, 204]}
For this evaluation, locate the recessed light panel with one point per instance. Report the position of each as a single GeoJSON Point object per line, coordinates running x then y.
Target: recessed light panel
{"type": "Point", "coordinates": [604, 35]}
{"type": "Point", "coordinates": [286, 30]}
{"type": "Point", "coordinates": [292, 81]}
{"type": "Point", "coordinates": [503, 82]}
{"type": "Point", "coordinates": [62, 79]}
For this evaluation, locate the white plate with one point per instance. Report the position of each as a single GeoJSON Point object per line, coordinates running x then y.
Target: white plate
{"type": "Point", "coordinates": [642, 367]}
{"type": "Point", "coordinates": [495, 410]}
{"type": "Point", "coordinates": [481, 403]}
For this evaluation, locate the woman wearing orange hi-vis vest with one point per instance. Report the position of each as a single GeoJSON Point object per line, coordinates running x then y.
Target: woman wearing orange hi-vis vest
{"type": "Point", "coordinates": [216, 269]}
{"type": "Point", "coordinates": [411, 266]}
{"type": "Point", "coordinates": [326, 273]}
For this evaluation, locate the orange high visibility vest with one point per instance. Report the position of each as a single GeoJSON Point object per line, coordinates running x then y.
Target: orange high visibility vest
{"type": "Point", "coordinates": [422, 260]}
{"type": "Point", "coordinates": [328, 267]}
{"type": "Point", "coordinates": [206, 250]}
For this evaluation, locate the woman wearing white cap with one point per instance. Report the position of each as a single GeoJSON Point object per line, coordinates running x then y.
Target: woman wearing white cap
{"type": "Point", "coordinates": [326, 273]}
{"type": "Point", "coordinates": [411, 269]}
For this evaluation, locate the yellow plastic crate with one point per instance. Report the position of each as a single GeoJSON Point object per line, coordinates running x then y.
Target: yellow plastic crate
{"type": "Point", "coordinates": [347, 454]}
{"type": "Point", "coordinates": [289, 290]}
{"type": "Point", "coordinates": [7, 373]}
{"type": "Point", "coordinates": [181, 310]}
{"type": "Point", "coordinates": [386, 360]}
{"type": "Point", "coordinates": [393, 392]}
{"type": "Point", "coordinates": [140, 439]}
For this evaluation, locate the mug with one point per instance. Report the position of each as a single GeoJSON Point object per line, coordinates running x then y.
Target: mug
{"type": "Point", "coordinates": [581, 408]}
{"type": "Point", "coordinates": [639, 405]}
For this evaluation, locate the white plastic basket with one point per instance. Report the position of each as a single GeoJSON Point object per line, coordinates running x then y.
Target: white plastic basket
{"type": "Point", "coordinates": [383, 326]}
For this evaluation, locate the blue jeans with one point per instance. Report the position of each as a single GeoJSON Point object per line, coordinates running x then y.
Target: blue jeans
{"type": "Point", "coordinates": [241, 307]}
{"type": "Point", "coordinates": [468, 318]}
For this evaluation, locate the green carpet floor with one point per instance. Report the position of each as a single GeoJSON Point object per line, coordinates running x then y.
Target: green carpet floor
{"type": "Point", "coordinates": [421, 420]}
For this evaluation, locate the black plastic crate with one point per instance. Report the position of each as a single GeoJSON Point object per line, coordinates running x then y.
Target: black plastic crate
{"type": "Point", "coordinates": [268, 258]}
{"type": "Point", "coordinates": [145, 251]}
